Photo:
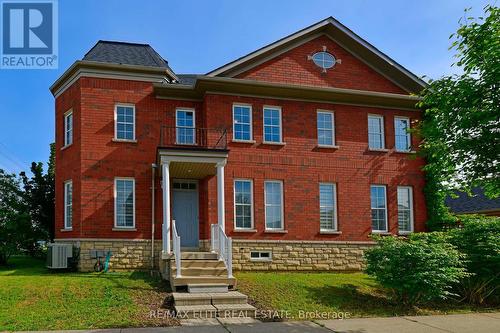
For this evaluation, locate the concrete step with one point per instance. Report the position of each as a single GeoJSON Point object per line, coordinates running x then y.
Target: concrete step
{"type": "Point", "coordinates": [182, 299]}
{"type": "Point", "coordinates": [201, 271]}
{"type": "Point", "coordinates": [231, 297]}
{"type": "Point", "coordinates": [198, 255]}
{"type": "Point", "coordinates": [185, 280]}
{"type": "Point", "coordinates": [190, 263]}
{"type": "Point", "coordinates": [195, 311]}
{"type": "Point", "coordinates": [235, 310]}
{"type": "Point", "coordinates": [207, 288]}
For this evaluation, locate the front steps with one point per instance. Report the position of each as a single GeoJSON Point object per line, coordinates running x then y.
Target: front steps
{"type": "Point", "coordinates": [212, 305]}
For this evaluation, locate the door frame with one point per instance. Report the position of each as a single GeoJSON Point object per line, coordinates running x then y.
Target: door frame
{"type": "Point", "coordinates": [197, 191]}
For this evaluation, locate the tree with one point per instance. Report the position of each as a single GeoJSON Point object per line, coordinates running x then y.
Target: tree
{"type": "Point", "coordinates": [461, 123]}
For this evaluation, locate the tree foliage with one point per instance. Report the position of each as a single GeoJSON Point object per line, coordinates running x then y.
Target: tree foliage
{"type": "Point", "coordinates": [461, 125]}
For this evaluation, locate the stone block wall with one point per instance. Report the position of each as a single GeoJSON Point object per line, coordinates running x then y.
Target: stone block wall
{"type": "Point", "coordinates": [300, 255]}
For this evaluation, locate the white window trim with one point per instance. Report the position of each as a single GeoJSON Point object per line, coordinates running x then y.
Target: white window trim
{"type": "Point", "coordinates": [408, 134]}
{"type": "Point", "coordinates": [410, 199]}
{"type": "Point", "coordinates": [382, 131]}
{"type": "Point", "coordinates": [334, 143]}
{"type": "Point", "coordinates": [116, 122]}
{"type": "Point", "coordinates": [177, 110]}
{"type": "Point", "coordinates": [277, 108]}
{"type": "Point", "coordinates": [66, 115]}
{"type": "Point", "coordinates": [115, 226]}
{"type": "Point", "coordinates": [282, 206]}
{"type": "Point", "coordinates": [386, 217]}
{"type": "Point", "coordinates": [335, 220]}
{"type": "Point", "coordinates": [251, 203]}
{"type": "Point", "coordinates": [66, 183]}
{"type": "Point", "coordinates": [251, 122]}
{"type": "Point", "coordinates": [270, 258]}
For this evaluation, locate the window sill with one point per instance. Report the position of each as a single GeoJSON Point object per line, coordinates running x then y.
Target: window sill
{"type": "Point", "coordinates": [123, 140]}
{"type": "Point", "coordinates": [124, 229]}
{"type": "Point", "coordinates": [379, 150]}
{"type": "Point", "coordinates": [67, 146]}
{"type": "Point", "coordinates": [274, 143]}
{"type": "Point", "coordinates": [243, 141]}
{"type": "Point", "coordinates": [66, 229]}
{"type": "Point", "coordinates": [245, 230]}
{"type": "Point", "coordinates": [405, 151]}
{"type": "Point", "coordinates": [327, 147]}
{"type": "Point", "coordinates": [270, 231]}
{"type": "Point", "coordinates": [261, 260]}
{"type": "Point", "coordinates": [330, 232]}
{"type": "Point", "coordinates": [381, 233]}
{"type": "Point", "coordinates": [405, 233]}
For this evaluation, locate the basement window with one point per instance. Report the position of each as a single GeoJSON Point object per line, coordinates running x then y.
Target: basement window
{"type": "Point", "coordinates": [260, 256]}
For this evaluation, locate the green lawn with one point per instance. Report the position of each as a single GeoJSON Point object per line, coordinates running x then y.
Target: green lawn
{"type": "Point", "coordinates": [355, 293]}
{"type": "Point", "coordinates": [32, 298]}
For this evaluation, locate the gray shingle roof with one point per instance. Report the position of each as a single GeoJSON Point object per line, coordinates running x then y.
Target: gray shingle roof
{"type": "Point", "coordinates": [125, 53]}
{"type": "Point", "coordinates": [187, 79]}
{"type": "Point", "coordinates": [477, 203]}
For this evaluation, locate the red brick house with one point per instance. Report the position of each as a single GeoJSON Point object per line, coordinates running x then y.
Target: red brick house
{"type": "Point", "coordinates": [296, 153]}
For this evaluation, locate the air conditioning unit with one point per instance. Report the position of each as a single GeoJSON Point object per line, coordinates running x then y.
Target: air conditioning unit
{"type": "Point", "coordinates": [58, 254]}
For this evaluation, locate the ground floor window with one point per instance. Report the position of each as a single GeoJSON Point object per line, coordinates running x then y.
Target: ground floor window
{"type": "Point", "coordinates": [243, 202]}
{"type": "Point", "coordinates": [273, 193]}
{"type": "Point", "coordinates": [378, 208]}
{"type": "Point", "coordinates": [327, 206]}
{"type": "Point", "coordinates": [68, 204]}
{"type": "Point", "coordinates": [405, 209]}
{"type": "Point", "coordinates": [124, 203]}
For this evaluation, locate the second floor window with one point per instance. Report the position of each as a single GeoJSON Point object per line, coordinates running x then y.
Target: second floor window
{"type": "Point", "coordinates": [68, 204]}
{"type": "Point", "coordinates": [272, 125]}
{"type": "Point", "coordinates": [68, 128]}
{"type": "Point", "coordinates": [125, 122]}
{"type": "Point", "coordinates": [243, 204]}
{"type": "Point", "coordinates": [325, 129]}
{"type": "Point", "coordinates": [376, 132]}
{"type": "Point", "coordinates": [242, 122]}
{"type": "Point", "coordinates": [402, 135]}
{"type": "Point", "coordinates": [124, 203]}
{"type": "Point", "coordinates": [379, 208]}
{"type": "Point", "coordinates": [185, 127]}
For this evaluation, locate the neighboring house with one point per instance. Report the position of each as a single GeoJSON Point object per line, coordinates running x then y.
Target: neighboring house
{"type": "Point", "coordinates": [298, 152]}
{"type": "Point", "coordinates": [477, 203]}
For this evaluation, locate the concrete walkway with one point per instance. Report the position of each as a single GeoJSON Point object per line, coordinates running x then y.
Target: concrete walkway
{"type": "Point", "coordinates": [474, 323]}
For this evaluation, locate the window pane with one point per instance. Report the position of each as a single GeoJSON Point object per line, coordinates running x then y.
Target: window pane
{"type": "Point", "coordinates": [125, 123]}
{"type": "Point", "coordinates": [375, 132]}
{"type": "Point", "coordinates": [402, 136]}
{"type": "Point", "coordinates": [242, 122]}
{"type": "Point", "coordinates": [243, 203]}
{"type": "Point", "coordinates": [273, 192]}
{"type": "Point", "coordinates": [124, 203]}
{"type": "Point", "coordinates": [272, 125]}
{"type": "Point", "coordinates": [404, 209]}
{"type": "Point", "coordinates": [327, 206]}
{"type": "Point", "coordinates": [378, 205]}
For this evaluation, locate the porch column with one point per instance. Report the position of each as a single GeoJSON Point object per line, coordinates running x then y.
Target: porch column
{"type": "Point", "coordinates": [220, 195]}
{"type": "Point", "coordinates": [165, 231]}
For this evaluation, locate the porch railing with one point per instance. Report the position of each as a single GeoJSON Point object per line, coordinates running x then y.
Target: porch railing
{"type": "Point", "coordinates": [207, 138]}
{"type": "Point", "coordinates": [223, 246]}
{"type": "Point", "coordinates": [176, 242]}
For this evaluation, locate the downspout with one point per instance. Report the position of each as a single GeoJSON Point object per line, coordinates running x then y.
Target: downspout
{"type": "Point", "coordinates": [153, 169]}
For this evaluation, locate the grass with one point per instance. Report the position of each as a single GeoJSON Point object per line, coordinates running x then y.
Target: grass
{"type": "Point", "coordinates": [33, 298]}
{"type": "Point", "coordinates": [355, 293]}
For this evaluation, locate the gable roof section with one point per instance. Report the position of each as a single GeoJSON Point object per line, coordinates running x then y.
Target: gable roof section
{"type": "Point", "coordinates": [342, 35]}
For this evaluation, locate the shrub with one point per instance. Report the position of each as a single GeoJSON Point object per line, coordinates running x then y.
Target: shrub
{"type": "Point", "coordinates": [420, 268]}
{"type": "Point", "coordinates": [479, 240]}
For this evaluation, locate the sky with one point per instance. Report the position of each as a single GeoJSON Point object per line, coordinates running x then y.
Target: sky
{"type": "Point", "coordinates": [198, 36]}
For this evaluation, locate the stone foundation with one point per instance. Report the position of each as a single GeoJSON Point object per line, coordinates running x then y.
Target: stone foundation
{"type": "Point", "coordinates": [126, 254]}
{"type": "Point", "coordinates": [300, 255]}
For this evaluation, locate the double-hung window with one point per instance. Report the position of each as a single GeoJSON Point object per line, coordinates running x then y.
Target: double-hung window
{"type": "Point", "coordinates": [242, 122]}
{"type": "Point", "coordinates": [402, 134]}
{"type": "Point", "coordinates": [405, 209]}
{"type": "Point", "coordinates": [68, 128]}
{"type": "Point", "coordinates": [125, 122]}
{"type": "Point", "coordinates": [243, 204]}
{"type": "Point", "coordinates": [376, 132]}
{"type": "Point", "coordinates": [378, 208]}
{"type": "Point", "coordinates": [185, 126]}
{"type": "Point", "coordinates": [273, 193]}
{"type": "Point", "coordinates": [272, 125]}
{"type": "Point", "coordinates": [68, 204]}
{"type": "Point", "coordinates": [327, 207]}
{"type": "Point", "coordinates": [124, 203]}
{"type": "Point", "coordinates": [326, 128]}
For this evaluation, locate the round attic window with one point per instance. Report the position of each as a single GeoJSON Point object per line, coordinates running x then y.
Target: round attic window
{"type": "Point", "coordinates": [323, 60]}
